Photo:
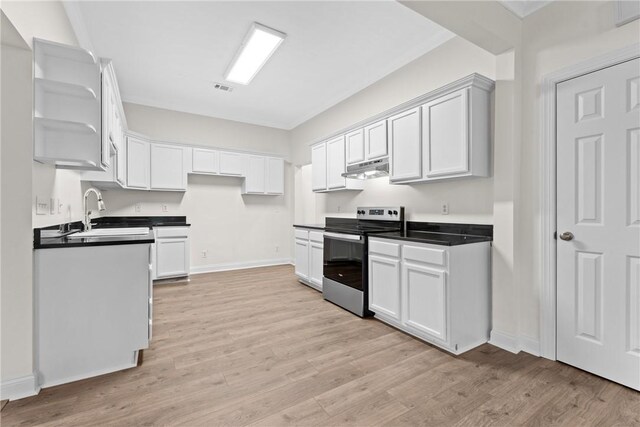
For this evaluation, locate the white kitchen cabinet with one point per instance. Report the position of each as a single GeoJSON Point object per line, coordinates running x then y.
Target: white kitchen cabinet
{"type": "Point", "coordinates": [264, 175]}
{"type": "Point", "coordinates": [205, 161]}
{"type": "Point", "coordinates": [319, 167]}
{"type": "Point", "coordinates": [275, 176]}
{"type": "Point", "coordinates": [167, 167]}
{"type": "Point", "coordinates": [328, 163]}
{"type": "Point", "coordinates": [441, 294]}
{"type": "Point", "coordinates": [384, 286]}
{"type": "Point", "coordinates": [425, 299]}
{"type": "Point", "coordinates": [375, 140]}
{"type": "Point", "coordinates": [405, 144]}
{"type": "Point", "coordinates": [309, 256]}
{"type": "Point", "coordinates": [138, 163]}
{"type": "Point", "coordinates": [355, 146]}
{"type": "Point", "coordinates": [67, 107]}
{"type": "Point", "coordinates": [232, 164]}
{"type": "Point", "coordinates": [172, 252]}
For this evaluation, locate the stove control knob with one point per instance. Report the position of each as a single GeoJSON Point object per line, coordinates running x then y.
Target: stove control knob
{"type": "Point", "coordinates": [395, 212]}
{"type": "Point", "coordinates": [360, 212]}
{"type": "Point", "coordinates": [389, 212]}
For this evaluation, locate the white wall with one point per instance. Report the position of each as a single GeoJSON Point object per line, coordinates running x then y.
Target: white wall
{"type": "Point", "coordinates": [233, 229]}
{"type": "Point", "coordinates": [470, 200]}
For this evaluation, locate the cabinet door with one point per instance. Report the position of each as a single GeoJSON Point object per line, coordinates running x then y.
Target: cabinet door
{"type": "Point", "coordinates": [167, 167]}
{"type": "Point", "coordinates": [121, 154]}
{"type": "Point", "coordinates": [319, 167]}
{"type": "Point", "coordinates": [205, 161]}
{"type": "Point", "coordinates": [138, 163]}
{"type": "Point", "coordinates": [275, 176]}
{"type": "Point", "coordinates": [108, 106]}
{"type": "Point", "coordinates": [336, 163]}
{"type": "Point", "coordinates": [425, 300]}
{"type": "Point", "coordinates": [172, 258]}
{"type": "Point", "coordinates": [232, 164]}
{"type": "Point", "coordinates": [316, 254]}
{"type": "Point", "coordinates": [375, 138]}
{"type": "Point", "coordinates": [445, 135]}
{"type": "Point", "coordinates": [355, 146]}
{"type": "Point", "coordinates": [384, 286]}
{"type": "Point", "coordinates": [404, 141]}
{"type": "Point", "coordinates": [302, 258]}
{"type": "Point", "coordinates": [255, 176]}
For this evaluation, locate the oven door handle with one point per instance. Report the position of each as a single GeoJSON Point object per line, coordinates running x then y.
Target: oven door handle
{"type": "Point", "coordinates": [355, 238]}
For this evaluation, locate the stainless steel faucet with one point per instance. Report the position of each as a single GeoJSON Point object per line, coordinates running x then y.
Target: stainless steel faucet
{"type": "Point", "coordinates": [87, 213]}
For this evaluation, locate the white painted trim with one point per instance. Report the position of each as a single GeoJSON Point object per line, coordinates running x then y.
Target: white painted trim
{"type": "Point", "coordinates": [523, 8]}
{"type": "Point", "coordinates": [504, 341]}
{"type": "Point", "coordinates": [76, 19]}
{"type": "Point", "coordinates": [201, 269]}
{"type": "Point", "coordinates": [547, 195]}
{"type": "Point", "coordinates": [529, 345]}
{"type": "Point", "coordinates": [19, 388]}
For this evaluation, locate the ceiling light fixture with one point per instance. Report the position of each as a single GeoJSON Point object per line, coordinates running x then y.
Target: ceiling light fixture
{"type": "Point", "coordinates": [256, 49]}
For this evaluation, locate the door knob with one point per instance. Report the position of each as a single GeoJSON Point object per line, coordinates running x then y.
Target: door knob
{"type": "Point", "coordinates": [567, 235]}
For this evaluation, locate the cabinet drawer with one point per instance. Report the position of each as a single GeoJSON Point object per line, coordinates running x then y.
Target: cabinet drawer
{"type": "Point", "coordinates": [316, 236]}
{"type": "Point", "coordinates": [422, 254]}
{"type": "Point", "coordinates": [302, 234]}
{"type": "Point", "coordinates": [384, 248]}
{"type": "Point", "coordinates": [162, 232]}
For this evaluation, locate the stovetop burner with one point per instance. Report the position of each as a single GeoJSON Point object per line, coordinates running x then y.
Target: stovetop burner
{"type": "Point", "coordinates": [369, 220]}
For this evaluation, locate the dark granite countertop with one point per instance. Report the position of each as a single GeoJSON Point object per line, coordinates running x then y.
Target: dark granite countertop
{"type": "Point", "coordinates": [312, 226]}
{"type": "Point", "coordinates": [437, 233]}
{"type": "Point", "coordinates": [444, 239]}
{"type": "Point", "coordinates": [49, 237]}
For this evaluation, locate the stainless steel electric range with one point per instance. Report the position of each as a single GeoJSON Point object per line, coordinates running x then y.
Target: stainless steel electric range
{"type": "Point", "coordinates": [346, 264]}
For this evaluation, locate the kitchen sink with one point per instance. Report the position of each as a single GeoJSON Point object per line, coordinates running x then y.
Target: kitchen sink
{"type": "Point", "coordinates": [108, 232]}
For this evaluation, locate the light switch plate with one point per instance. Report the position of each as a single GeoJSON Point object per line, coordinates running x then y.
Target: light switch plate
{"type": "Point", "coordinates": [42, 206]}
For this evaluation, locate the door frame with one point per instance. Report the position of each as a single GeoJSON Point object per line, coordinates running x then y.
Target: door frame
{"type": "Point", "coordinates": [547, 194]}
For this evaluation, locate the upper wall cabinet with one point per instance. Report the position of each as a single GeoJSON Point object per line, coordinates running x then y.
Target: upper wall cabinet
{"type": "Point", "coordinates": [67, 107]}
{"type": "Point", "coordinates": [232, 164]}
{"type": "Point", "coordinates": [265, 175]}
{"type": "Point", "coordinates": [355, 146]}
{"type": "Point", "coordinates": [205, 161]}
{"type": "Point", "coordinates": [404, 138]}
{"type": "Point", "coordinates": [328, 163]}
{"type": "Point", "coordinates": [153, 166]}
{"type": "Point", "coordinates": [138, 164]}
{"type": "Point", "coordinates": [375, 140]}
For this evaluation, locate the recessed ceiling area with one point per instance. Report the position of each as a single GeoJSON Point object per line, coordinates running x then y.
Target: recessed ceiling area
{"type": "Point", "coordinates": [171, 54]}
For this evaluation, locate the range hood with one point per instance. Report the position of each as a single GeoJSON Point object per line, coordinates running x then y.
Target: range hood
{"type": "Point", "coordinates": [367, 170]}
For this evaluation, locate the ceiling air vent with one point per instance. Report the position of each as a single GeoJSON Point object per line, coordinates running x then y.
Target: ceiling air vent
{"type": "Point", "coordinates": [222, 87]}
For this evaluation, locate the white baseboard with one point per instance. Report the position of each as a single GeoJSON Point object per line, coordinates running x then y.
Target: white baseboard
{"type": "Point", "coordinates": [238, 265]}
{"type": "Point", "coordinates": [19, 388]}
{"type": "Point", "coordinates": [515, 344]}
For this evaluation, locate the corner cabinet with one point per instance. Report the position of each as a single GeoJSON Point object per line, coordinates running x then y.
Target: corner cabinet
{"type": "Point", "coordinates": [309, 255]}
{"type": "Point", "coordinates": [441, 294]}
{"type": "Point", "coordinates": [328, 163]}
{"type": "Point", "coordinates": [154, 166]}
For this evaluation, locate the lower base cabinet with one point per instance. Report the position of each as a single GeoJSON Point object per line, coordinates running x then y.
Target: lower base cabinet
{"type": "Point", "coordinates": [172, 252]}
{"type": "Point", "coordinates": [441, 294]}
{"type": "Point", "coordinates": [309, 255]}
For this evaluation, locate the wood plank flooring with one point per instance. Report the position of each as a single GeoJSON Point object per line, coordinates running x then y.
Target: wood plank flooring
{"type": "Point", "coordinates": [255, 347]}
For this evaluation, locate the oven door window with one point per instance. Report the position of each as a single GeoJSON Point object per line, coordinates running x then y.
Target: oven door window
{"type": "Point", "coordinates": [343, 262]}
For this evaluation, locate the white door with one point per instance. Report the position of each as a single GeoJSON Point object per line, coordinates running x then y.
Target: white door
{"type": "Point", "coordinates": [355, 146]}
{"type": "Point", "coordinates": [316, 254]}
{"type": "Point", "coordinates": [445, 135]}
{"type": "Point", "coordinates": [255, 175]}
{"type": "Point", "coordinates": [172, 258]}
{"type": "Point", "coordinates": [598, 193]}
{"type": "Point", "coordinates": [336, 163]}
{"type": "Point", "coordinates": [138, 162]}
{"type": "Point", "coordinates": [425, 300]}
{"type": "Point", "coordinates": [275, 176]}
{"type": "Point", "coordinates": [205, 161]}
{"type": "Point", "coordinates": [302, 258]}
{"type": "Point", "coordinates": [232, 164]}
{"type": "Point", "coordinates": [375, 137]}
{"type": "Point", "coordinates": [384, 286]}
{"type": "Point", "coordinates": [167, 167]}
{"type": "Point", "coordinates": [405, 145]}
{"type": "Point", "coordinates": [319, 167]}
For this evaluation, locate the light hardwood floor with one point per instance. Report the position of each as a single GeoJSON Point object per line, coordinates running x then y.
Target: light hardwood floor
{"type": "Point", "coordinates": [255, 347]}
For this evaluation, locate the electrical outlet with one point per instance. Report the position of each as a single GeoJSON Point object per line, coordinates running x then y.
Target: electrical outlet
{"type": "Point", "coordinates": [42, 206]}
{"type": "Point", "coordinates": [60, 205]}
{"type": "Point", "coordinates": [204, 253]}
{"type": "Point", "coordinates": [138, 207]}
{"type": "Point", "coordinates": [339, 208]}
{"type": "Point", "coordinates": [52, 206]}
{"type": "Point", "coordinates": [444, 208]}
{"type": "Point", "coordinates": [165, 208]}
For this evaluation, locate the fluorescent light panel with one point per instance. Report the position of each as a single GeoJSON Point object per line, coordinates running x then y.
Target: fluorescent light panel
{"type": "Point", "coordinates": [257, 47]}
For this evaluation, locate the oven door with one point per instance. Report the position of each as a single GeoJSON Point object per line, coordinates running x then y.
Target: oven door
{"type": "Point", "coordinates": [343, 259]}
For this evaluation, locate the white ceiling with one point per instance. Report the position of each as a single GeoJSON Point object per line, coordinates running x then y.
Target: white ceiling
{"type": "Point", "coordinates": [169, 54]}
{"type": "Point", "coordinates": [523, 8]}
